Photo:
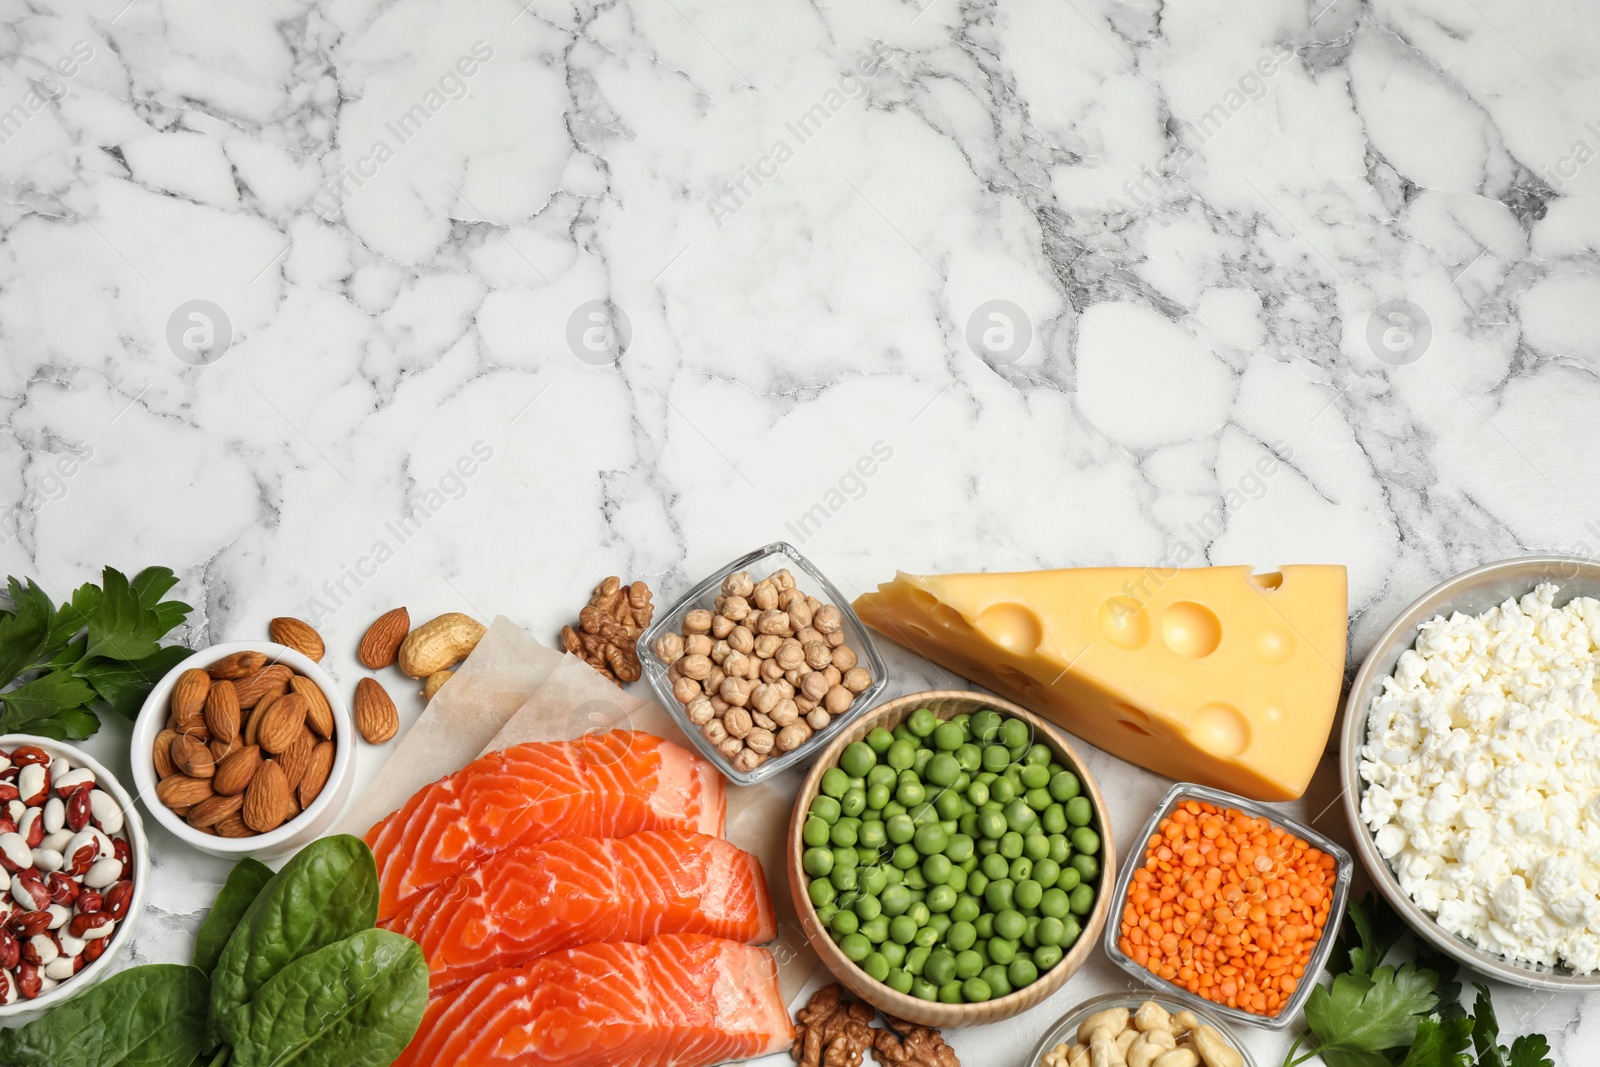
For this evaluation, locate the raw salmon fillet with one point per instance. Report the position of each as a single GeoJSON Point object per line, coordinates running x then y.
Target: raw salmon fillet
{"type": "Point", "coordinates": [601, 785]}
{"type": "Point", "coordinates": [682, 1000]}
{"type": "Point", "coordinates": [538, 899]}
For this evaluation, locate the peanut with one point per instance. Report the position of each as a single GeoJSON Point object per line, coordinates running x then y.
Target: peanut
{"type": "Point", "coordinates": [439, 643]}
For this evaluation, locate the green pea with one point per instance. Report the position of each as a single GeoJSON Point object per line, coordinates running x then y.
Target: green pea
{"type": "Point", "coordinates": [854, 802]}
{"type": "Point", "coordinates": [936, 869]}
{"type": "Point", "coordinates": [1014, 733]}
{"type": "Point", "coordinates": [996, 758]}
{"type": "Point", "coordinates": [941, 898]}
{"type": "Point", "coordinates": [898, 980]}
{"type": "Point", "coordinates": [1064, 786]}
{"type": "Point", "coordinates": [868, 907]}
{"type": "Point", "coordinates": [1054, 819]}
{"type": "Point", "coordinates": [821, 891]}
{"type": "Point", "coordinates": [985, 724]}
{"type": "Point", "coordinates": [1002, 950]}
{"type": "Point", "coordinates": [876, 966]}
{"type": "Point", "coordinates": [968, 824]}
{"type": "Point", "coordinates": [817, 862]}
{"type": "Point", "coordinates": [894, 874]}
{"type": "Point", "coordinates": [1010, 924]}
{"type": "Point", "coordinates": [910, 793]}
{"type": "Point", "coordinates": [1047, 956]}
{"type": "Point", "coordinates": [970, 756]}
{"type": "Point", "coordinates": [903, 733]}
{"type": "Point", "coordinates": [966, 909]}
{"type": "Point", "coordinates": [920, 763]}
{"type": "Point", "coordinates": [919, 913]}
{"type": "Point", "coordinates": [1060, 849]}
{"type": "Point", "coordinates": [1069, 880]}
{"type": "Point", "coordinates": [948, 804]}
{"type": "Point", "coordinates": [1085, 840]}
{"type": "Point", "coordinates": [991, 824]}
{"type": "Point", "coordinates": [939, 922]}
{"type": "Point", "coordinates": [872, 815]}
{"type": "Point", "coordinates": [1030, 936]}
{"type": "Point", "coordinates": [995, 866]}
{"type": "Point", "coordinates": [905, 857]}
{"type": "Point", "coordinates": [902, 928]}
{"type": "Point", "coordinates": [948, 736]}
{"type": "Point", "coordinates": [977, 882]}
{"type": "Point", "coordinates": [893, 951]}
{"type": "Point", "coordinates": [826, 913]}
{"type": "Point", "coordinates": [1002, 791]}
{"type": "Point", "coordinates": [901, 755]}
{"type": "Point", "coordinates": [984, 924]}
{"type": "Point", "coordinates": [978, 794]}
{"type": "Point", "coordinates": [845, 922]}
{"type": "Point", "coordinates": [834, 782]}
{"type": "Point", "coordinates": [1079, 811]}
{"type": "Point", "coordinates": [1082, 900]}
{"type": "Point", "coordinates": [893, 808]}
{"type": "Point", "coordinates": [843, 879]}
{"type": "Point", "coordinates": [1051, 930]}
{"type": "Point", "coordinates": [957, 879]}
{"type": "Point", "coordinates": [916, 957]}
{"type": "Point", "coordinates": [1020, 869]}
{"type": "Point", "coordinates": [961, 935]}
{"type": "Point", "coordinates": [941, 966]}
{"type": "Point", "coordinates": [914, 880]}
{"type": "Point", "coordinates": [999, 894]}
{"type": "Point", "coordinates": [931, 839]}
{"type": "Point", "coordinates": [1054, 903]}
{"type": "Point", "coordinates": [1072, 931]}
{"type": "Point", "coordinates": [950, 992]}
{"type": "Point", "coordinates": [1028, 894]}
{"type": "Point", "coordinates": [1011, 844]}
{"type": "Point", "coordinates": [845, 856]}
{"type": "Point", "coordinates": [959, 848]}
{"type": "Point", "coordinates": [923, 814]}
{"type": "Point", "coordinates": [1037, 799]}
{"type": "Point", "coordinates": [1022, 972]}
{"type": "Point", "coordinates": [1020, 817]}
{"type": "Point", "coordinates": [895, 899]}
{"type": "Point", "coordinates": [975, 991]}
{"type": "Point", "coordinates": [872, 835]}
{"type": "Point", "coordinates": [1086, 866]}
{"type": "Point", "coordinates": [826, 808]}
{"type": "Point", "coordinates": [845, 832]}
{"type": "Point", "coordinates": [876, 930]}
{"type": "Point", "coordinates": [857, 759]}
{"type": "Point", "coordinates": [879, 741]}
{"type": "Point", "coordinates": [1040, 755]}
{"type": "Point", "coordinates": [899, 828]}
{"type": "Point", "coordinates": [1046, 872]}
{"type": "Point", "coordinates": [1036, 846]}
{"type": "Point", "coordinates": [923, 989]}
{"type": "Point", "coordinates": [963, 780]}
{"type": "Point", "coordinates": [1034, 774]}
{"type": "Point", "coordinates": [815, 831]}
{"type": "Point", "coordinates": [922, 722]}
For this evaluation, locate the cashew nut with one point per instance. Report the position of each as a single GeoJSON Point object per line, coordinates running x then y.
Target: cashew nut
{"type": "Point", "coordinates": [1178, 1057]}
{"type": "Point", "coordinates": [1103, 1050]}
{"type": "Point", "coordinates": [1114, 1020]}
{"type": "Point", "coordinates": [1214, 1050]}
{"type": "Point", "coordinates": [1125, 1041]}
{"type": "Point", "coordinates": [1152, 1016]}
{"type": "Point", "coordinates": [1141, 1053]}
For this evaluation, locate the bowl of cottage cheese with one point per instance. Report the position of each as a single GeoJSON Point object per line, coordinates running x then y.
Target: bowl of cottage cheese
{"type": "Point", "coordinates": [1470, 755]}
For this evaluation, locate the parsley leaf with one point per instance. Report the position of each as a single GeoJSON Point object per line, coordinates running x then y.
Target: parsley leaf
{"type": "Point", "coordinates": [1531, 1050]}
{"type": "Point", "coordinates": [103, 647]}
{"type": "Point", "coordinates": [1441, 1043]}
{"type": "Point", "coordinates": [1449, 989]}
{"type": "Point", "coordinates": [1367, 1014]}
{"type": "Point", "coordinates": [1368, 933]}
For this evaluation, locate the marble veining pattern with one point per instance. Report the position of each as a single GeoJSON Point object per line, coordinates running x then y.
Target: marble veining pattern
{"type": "Point", "coordinates": [343, 304]}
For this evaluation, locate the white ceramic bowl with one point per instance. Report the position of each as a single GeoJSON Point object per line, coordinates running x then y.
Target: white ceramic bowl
{"type": "Point", "coordinates": [22, 1011]}
{"type": "Point", "coordinates": [291, 836]}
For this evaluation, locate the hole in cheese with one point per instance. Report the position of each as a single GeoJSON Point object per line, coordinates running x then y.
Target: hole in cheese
{"type": "Point", "coordinates": [1137, 715]}
{"type": "Point", "coordinates": [949, 617]}
{"type": "Point", "coordinates": [1220, 729]}
{"type": "Point", "coordinates": [1269, 580]}
{"type": "Point", "coordinates": [1133, 726]}
{"type": "Point", "coordinates": [1191, 629]}
{"type": "Point", "coordinates": [1124, 623]}
{"type": "Point", "coordinates": [1013, 627]}
{"type": "Point", "coordinates": [1274, 645]}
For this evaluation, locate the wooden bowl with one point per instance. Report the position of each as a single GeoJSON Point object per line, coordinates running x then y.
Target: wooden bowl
{"type": "Point", "coordinates": [946, 703]}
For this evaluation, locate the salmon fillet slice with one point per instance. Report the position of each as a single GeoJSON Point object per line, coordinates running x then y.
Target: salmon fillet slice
{"type": "Point", "coordinates": [600, 785]}
{"type": "Point", "coordinates": [538, 899]}
{"type": "Point", "coordinates": [682, 1000]}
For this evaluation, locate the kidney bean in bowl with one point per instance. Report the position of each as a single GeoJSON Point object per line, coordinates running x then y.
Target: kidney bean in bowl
{"type": "Point", "coordinates": [73, 867]}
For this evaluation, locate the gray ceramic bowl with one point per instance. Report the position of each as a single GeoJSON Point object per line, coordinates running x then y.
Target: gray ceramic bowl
{"type": "Point", "coordinates": [1471, 593]}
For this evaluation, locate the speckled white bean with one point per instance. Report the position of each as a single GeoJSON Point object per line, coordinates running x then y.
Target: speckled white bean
{"type": "Point", "coordinates": [57, 841]}
{"type": "Point", "coordinates": [105, 812]}
{"type": "Point", "coordinates": [47, 860]}
{"type": "Point", "coordinates": [31, 784]}
{"type": "Point", "coordinates": [16, 809]}
{"type": "Point", "coordinates": [58, 916]}
{"type": "Point", "coordinates": [103, 873]}
{"type": "Point", "coordinates": [23, 897]}
{"type": "Point", "coordinates": [58, 767]}
{"type": "Point", "coordinates": [73, 779]}
{"type": "Point", "coordinates": [95, 933]}
{"type": "Point", "coordinates": [60, 968]}
{"type": "Point", "coordinates": [44, 947]}
{"type": "Point", "coordinates": [71, 946]}
{"type": "Point", "coordinates": [18, 854]}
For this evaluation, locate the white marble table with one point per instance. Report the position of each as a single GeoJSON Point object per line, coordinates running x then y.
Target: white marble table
{"type": "Point", "coordinates": [464, 304]}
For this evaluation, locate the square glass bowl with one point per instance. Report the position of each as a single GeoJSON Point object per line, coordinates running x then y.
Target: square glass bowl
{"type": "Point", "coordinates": [1135, 860]}
{"type": "Point", "coordinates": [761, 563]}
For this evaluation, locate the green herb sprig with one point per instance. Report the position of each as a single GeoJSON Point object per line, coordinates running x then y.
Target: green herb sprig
{"type": "Point", "coordinates": [1375, 1015]}
{"type": "Point", "coordinates": [101, 648]}
{"type": "Point", "coordinates": [287, 968]}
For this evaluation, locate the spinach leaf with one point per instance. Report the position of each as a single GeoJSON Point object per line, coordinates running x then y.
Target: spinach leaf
{"type": "Point", "coordinates": [326, 893]}
{"type": "Point", "coordinates": [356, 1003]}
{"type": "Point", "coordinates": [244, 884]}
{"type": "Point", "coordinates": [150, 1016]}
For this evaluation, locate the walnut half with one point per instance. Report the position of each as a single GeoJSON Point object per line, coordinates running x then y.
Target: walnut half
{"type": "Point", "coordinates": [608, 627]}
{"type": "Point", "coordinates": [831, 1033]}
{"type": "Point", "coordinates": [910, 1045]}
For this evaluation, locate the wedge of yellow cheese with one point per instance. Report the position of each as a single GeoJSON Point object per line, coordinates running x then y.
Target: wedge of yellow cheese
{"type": "Point", "coordinates": [1215, 675]}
